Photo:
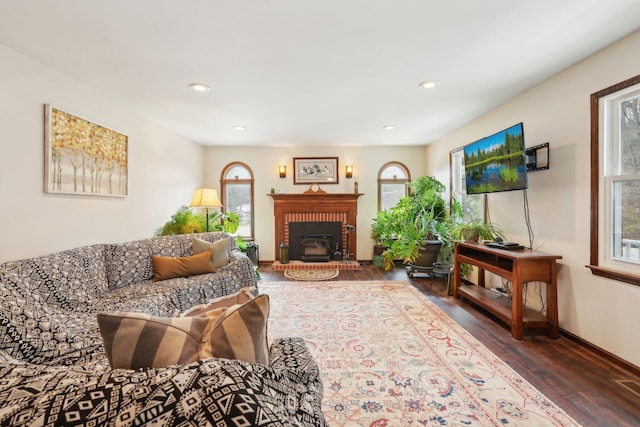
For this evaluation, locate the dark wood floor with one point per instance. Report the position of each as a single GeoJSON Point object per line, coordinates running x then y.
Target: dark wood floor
{"type": "Point", "coordinates": [582, 382]}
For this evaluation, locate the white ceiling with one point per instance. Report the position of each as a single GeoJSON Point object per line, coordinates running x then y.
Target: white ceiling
{"type": "Point", "coordinates": [299, 72]}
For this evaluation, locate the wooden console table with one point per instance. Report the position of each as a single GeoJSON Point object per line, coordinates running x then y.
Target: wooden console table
{"type": "Point", "coordinates": [518, 267]}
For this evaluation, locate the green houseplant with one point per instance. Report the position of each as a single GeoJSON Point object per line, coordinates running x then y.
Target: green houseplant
{"type": "Point", "coordinates": [418, 220]}
{"type": "Point", "coordinates": [386, 226]}
{"type": "Point", "coordinates": [185, 221]}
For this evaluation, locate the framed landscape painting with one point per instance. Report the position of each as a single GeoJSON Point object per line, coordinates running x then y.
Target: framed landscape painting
{"type": "Point", "coordinates": [82, 157]}
{"type": "Point", "coordinates": [319, 170]}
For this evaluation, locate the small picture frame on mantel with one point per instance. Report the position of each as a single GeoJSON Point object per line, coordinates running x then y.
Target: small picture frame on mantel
{"type": "Point", "coordinates": [315, 170]}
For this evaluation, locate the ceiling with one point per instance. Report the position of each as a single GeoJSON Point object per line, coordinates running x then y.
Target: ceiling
{"type": "Point", "coordinates": [303, 73]}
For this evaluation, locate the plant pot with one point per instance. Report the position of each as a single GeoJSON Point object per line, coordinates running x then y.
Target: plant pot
{"type": "Point", "coordinates": [378, 249]}
{"type": "Point", "coordinates": [378, 261]}
{"type": "Point", "coordinates": [428, 254]}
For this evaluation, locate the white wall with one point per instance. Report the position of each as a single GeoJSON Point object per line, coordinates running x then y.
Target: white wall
{"type": "Point", "coordinates": [601, 311]}
{"type": "Point", "coordinates": [264, 163]}
{"type": "Point", "coordinates": [164, 168]}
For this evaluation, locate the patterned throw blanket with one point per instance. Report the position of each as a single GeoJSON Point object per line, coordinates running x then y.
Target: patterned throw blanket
{"type": "Point", "coordinates": [208, 392]}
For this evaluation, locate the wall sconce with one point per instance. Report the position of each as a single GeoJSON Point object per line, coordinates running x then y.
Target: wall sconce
{"type": "Point", "coordinates": [349, 171]}
{"type": "Point", "coordinates": [282, 170]}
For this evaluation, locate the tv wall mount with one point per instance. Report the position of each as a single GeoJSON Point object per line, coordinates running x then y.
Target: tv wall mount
{"type": "Point", "coordinates": [537, 157]}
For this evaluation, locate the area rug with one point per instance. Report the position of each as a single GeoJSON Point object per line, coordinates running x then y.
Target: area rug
{"type": "Point", "coordinates": [390, 357]}
{"type": "Point", "coordinates": [311, 275]}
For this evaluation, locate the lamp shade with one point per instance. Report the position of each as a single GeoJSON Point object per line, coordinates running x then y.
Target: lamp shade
{"type": "Point", "coordinates": [205, 198]}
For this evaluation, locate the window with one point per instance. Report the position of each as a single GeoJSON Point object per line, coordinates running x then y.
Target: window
{"type": "Point", "coordinates": [472, 205]}
{"type": "Point", "coordinates": [615, 182]}
{"type": "Point", "coordinates": [392, 184]}
{"type": "Point", "coordinates": [236, 183]}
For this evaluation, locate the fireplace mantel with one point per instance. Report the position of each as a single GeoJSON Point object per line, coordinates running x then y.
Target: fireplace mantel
{"type": "Point", "coordinates": [341, 207]}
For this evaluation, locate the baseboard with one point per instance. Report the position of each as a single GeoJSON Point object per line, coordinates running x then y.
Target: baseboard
{"type": "Point", "coordinates": [602, 352]}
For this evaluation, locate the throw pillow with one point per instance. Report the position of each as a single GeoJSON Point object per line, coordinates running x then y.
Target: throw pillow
{"type": "Point", "coordinates": [220, 254]}
{"type": "Point", "coordinates": [240, 331]}
{"type": "Point", "coordinates": [137, 340]}
{"type": "Point", "coordinates": [171, 267]}
{"type": "Point", "coordinates": [240, 297]}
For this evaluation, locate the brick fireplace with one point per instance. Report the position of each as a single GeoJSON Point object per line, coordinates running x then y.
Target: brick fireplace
{"type": "Point", "coordinates": [316, 208]}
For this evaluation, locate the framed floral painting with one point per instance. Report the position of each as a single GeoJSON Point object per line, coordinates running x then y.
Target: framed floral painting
{"type": "Point", "coordinates": [319, 170]}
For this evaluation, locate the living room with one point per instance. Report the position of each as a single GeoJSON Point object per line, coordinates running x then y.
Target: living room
{"type": "Point", "coordinates": [165, 168]}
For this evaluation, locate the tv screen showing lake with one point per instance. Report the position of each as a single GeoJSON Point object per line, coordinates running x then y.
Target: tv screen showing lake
{"type": "Point", "coordinates": [496, 163]}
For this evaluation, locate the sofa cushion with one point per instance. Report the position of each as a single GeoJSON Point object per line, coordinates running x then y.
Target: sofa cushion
{"type": "Point", "coordinates": [171, 267]}
{"type": "Point", "coordinates": [130, 262]}
{"type": "Point", "coordinates": [69, 279]}
{"type": "Point", "coordinates": [169, 297]}
{"type": "Point", "coordinates": [207, 392]}
{"type": "Point", "coordinates": [220, 253]}
{"type": "Point", "coordinates": [137, 340]}
{"type": "Point", "coordinates": [240, 330]}
{"type": "Point", "coordinates": [34, 331]}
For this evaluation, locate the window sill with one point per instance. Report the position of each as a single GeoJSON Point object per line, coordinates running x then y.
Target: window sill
{"type": "Point", "coordinates": [615, 275]}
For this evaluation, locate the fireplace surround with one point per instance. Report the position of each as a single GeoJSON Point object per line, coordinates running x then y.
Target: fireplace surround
{"type": "Point", "coordinates": [316, 207]}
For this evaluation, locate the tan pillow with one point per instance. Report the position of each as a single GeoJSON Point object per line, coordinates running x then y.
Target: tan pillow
{"type": "Point", "coordinates": [240, 297]}
{"type": "Point", "coordinates": [171, 267]}
{"type": "Point", "coordinates": [220, 255]}
{"type": "Point", "coordinates": [240, 331]}
{"type": "Point", "coordinates": [136, 340]}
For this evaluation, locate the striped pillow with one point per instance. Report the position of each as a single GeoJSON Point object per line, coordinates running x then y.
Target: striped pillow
{"type": "Point", "coordinates": [226, 330]}
{"type": "Point", "coordinates": [137, 340]}
{"type": "Point", "coordinates": [240, 297]}
{"type": "Point", "coordinates": [240, 331]}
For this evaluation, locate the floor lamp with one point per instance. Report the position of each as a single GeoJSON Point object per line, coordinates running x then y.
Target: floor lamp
{"type": "Point", "coordinates": [206, 198]}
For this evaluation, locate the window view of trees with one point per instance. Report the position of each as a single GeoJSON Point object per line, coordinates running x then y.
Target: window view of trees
{"type": "Point", "coordinates": [392, 184]}
{"type": "Point", "coordinates": [629, 191]}
{"type": "Point", "coordinates": [237, 190]}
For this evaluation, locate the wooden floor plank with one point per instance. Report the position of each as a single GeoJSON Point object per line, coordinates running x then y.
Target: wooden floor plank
{"type": "Point", "coordinates": [582, 382]}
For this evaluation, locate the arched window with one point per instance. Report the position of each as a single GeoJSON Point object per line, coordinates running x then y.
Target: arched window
{"type": "Point", "coordinates": [392, 180]}
{"type": "Point", "coordinates": [236, 186]}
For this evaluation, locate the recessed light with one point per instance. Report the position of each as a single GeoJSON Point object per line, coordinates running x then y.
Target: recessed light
{"type": "Point", "coordinates": [199, 87]}
{"type": "Point", "coordinates": [240, 128]}
{"type": "Point", "coordinates": [389, 127]}
{"type": "Point", "coordinates": [428, 84]}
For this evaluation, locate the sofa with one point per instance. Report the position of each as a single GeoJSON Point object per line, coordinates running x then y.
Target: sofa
{"type": "Point", "coordinates": [54, 369]}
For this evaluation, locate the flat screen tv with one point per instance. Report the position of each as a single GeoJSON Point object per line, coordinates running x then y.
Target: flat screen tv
{"type": "Point", "coordinates": [496, 163]}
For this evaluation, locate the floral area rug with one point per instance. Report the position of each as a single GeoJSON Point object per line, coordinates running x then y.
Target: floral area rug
{"type": "Point", "coordinates": [311, 275]}
{"type": "Point", "coordinates": [390, 357]}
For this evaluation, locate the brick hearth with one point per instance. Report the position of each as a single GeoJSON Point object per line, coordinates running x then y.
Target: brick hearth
{"type": "Point", "coordinates": [299, 265]}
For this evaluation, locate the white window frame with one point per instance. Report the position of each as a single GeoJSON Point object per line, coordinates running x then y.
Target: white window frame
{"type": "Point", "coordinates": [400, 181]}
{"type": "Point", "coordinates": [458, 188]}
{"type": "Point", "coordinates": [226, 182]}
{"type": "Point", "coordinates": [606, 173]}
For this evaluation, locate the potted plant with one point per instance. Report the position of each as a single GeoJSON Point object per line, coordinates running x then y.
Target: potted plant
{"type": "Point", "coordinates": [384, 229]}
{"type": "Point", "coordinates": [185, 221]}
{"type": "Point", "coordinates": [473, 231]}
{"type": "Point", "coordinates": [467, 231]}
{"type": "Point", "coordinates": [419, 220]}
